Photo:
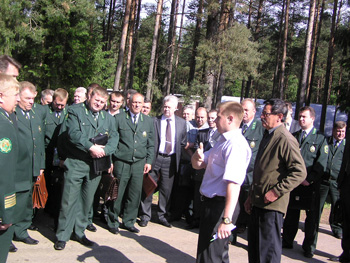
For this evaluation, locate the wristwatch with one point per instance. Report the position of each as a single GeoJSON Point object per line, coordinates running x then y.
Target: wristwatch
{"type": "Point", "coordinates": [226, 220]}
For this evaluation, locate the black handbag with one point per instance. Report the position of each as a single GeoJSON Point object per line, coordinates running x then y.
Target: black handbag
{"type": "Point", "coordinates": [101, 164]}
{"type": "Point", "coordinates": [302, 198]}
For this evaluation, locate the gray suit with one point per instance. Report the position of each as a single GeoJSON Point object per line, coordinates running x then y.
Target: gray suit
{"type": "Point", "coordinates": [166, 166]}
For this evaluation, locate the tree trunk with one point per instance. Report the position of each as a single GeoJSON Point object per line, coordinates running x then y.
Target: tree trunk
{"type": "Point", "coordinates": [284, 52]}
{"type": "Point", "coordinates": [250, 11]}
{"type": "Point", "coordinates": [276, 74]}
{"type": "Point", "coordinates": [178, 47]}
{"type": "Point", "coordinates": [130, 43]}
{"type": "Point", "coordinates": [318, 27]}
{"type": "Point", "coordinates": [306, 60]}
{"type": "Point", "coordinates": [122, 46]}
{"type": "Point", "coordinates": [154, 48]}
{"type": "Point", "coordinates": [134, 46]}
{"type": "Point", "coordinates": [197, 35]}
{"type": "Point", "coordinates": [328, 83]}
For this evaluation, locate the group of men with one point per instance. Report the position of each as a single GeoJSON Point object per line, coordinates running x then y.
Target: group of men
{"type": "Point", "coordinates": [249, 172]}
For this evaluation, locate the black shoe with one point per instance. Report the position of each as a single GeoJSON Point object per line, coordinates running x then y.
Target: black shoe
{"type": "Point", "coordinates": [59, 245]}
{"type": "Point", "coordinates": [164, 222]}
{"type": "Point", "coordinates": [114, 231]}
{"type": "Point", "coordinates": [83, 240]}
{"type": "Point", "coordinates": [308, 254]}
{"type": "Point", "coordinates": [91, 228]}
{"type": "Point", "coordinates": [12, 248]}
{"type": "Point", "coordinates": [33, 227]}
{"type": "Point", "coordinates": [284, 245]}
{"type": "Point", "coordinates": [143, 223]}
{"type": "Point", "coordinates": [28, 241]}
{"type": "Point", "coordinates": [131, 228]}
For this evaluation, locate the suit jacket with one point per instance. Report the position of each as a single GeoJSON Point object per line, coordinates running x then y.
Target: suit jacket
{"type": "Point", "coordinates": [279, 167]}
{"type": "Point", "coordinates": [52, 125]}
{"type": "Point", "coordinates": [32, 132]}
{"type": "Point", "coordinates": [79, 127]}
{"type": "Point", "coordinates": [180, 138]}
{"type": "Point", "coordinates": [314, 150]}
{"type": "Point", "coordinates": [136, 142]}
{"type": "Point", "coordinates": [203, 137]}
{"type": "Point", "coordinates": [335, 157]}
{"type": "Point", "coordinates": [9, 149]}
{"type": "Point", "coordinates": [253, 135]}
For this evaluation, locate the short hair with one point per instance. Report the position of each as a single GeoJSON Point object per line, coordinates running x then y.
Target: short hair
{"type": "Point", "coordinates": [46, 92]}
{"type": "Point", "coordinates": [27, 85]}
{"type": "Point", "coordinates": [117, 94]}
{"type": "Point", "coordinates": [248, 100]}
{"type": "Point", "coordinates": [93, 85]}
{"type": "Point", "coordinates": [188, 107]}
{"type": "Point", "coordinates": [147, 101]}
{"type": "Point", "coordinates": [289, 105]}
{"type": "Point", "coordinates": [339, 125]}
{"type": "Point", "coordinates": [62, 94]}
{"type": "Point", "coordinates": [310, 109]}
{"type": "Point", "coordinates": [172, 98]}
{"type": "Point", "coordinates": [80, 90]}
{"type": "Point", "coordinates": [138, 94]}
{"type": "Point", "coordinates": [278, 106]}
{"type": "Point", "coordinates": [130, 92]}
{"type": "Point", "coordinates": [201, 109]}
{"type": "Point", "coordinates": [8, 82]}
{"type": "Point", "coordinates": [213, 110]}
{"type": "Point", "coordinates": [234, 108]}
{"type": "Point", "coordinates": [100, 91]}
{"type": "Point", "coordinates": [5, 60]}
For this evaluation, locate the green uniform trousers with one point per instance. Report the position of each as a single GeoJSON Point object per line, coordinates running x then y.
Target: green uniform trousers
{"type": "Point", "coordinates": [78, 193]}
{"type": "Point", "coordinates": [5, 241]}
{"type": "Point", "coordinates": [24, 207]}
{"type": "Point", "coordinates": [130, 176]}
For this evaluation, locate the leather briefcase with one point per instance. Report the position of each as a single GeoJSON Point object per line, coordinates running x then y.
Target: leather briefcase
{"type": "Point", "coordinates": [302, 198]}
{"type": "Point", "coordinates": [108, 187]}
{"type": "Point", "coordinates": [149, 184]}
{"type": "Point", "coordinates": [101, 164]}
{"type": "Point", "coordinates": [40, 194]}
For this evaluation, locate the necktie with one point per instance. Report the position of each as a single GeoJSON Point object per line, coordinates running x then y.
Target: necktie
{"type": "Point", "coordinates": [135, 119]}
{"type": "Point", "coordinates": [168, 145]}
{"type": "Point", "coordinates": [302, 137]}
{"type": "Point", "coordinates": [244, 128]}
{"type": "Point", "coordinates": [58, 114]}
{"type": "Point", "coordinates": [336, 144]}
{"type": "Point", "coordinates": [95, 115]}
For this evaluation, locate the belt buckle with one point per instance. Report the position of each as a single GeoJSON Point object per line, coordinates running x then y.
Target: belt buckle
{"type": "Point", "coordinates": [202, 198]}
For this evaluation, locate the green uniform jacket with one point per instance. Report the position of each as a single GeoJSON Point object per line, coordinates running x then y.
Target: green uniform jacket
{"type": "Point", "coordinates": [335, 157]}
{"type": "Point", "coordinates": [253, 135]}
{"type": "Point", "coordinates": [314, 150]}
{"type": "Point", "coordinates": [280, 167]}
{"type": "Point", "coordinates": [8, 161]}
{"type": "Point", "coordinates": [33, 134]}
{"type": "Point", "coordinates": [52, 125]}
{"type": "Point", "coordinates": [79, 127]}
{"type": "Point", "coordinates": [136, 142]}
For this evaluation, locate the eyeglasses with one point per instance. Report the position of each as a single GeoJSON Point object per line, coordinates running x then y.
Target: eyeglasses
{"type": "Point", "coordinates": [267, 114]}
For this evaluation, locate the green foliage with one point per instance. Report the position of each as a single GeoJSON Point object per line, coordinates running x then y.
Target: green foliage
{"type": "Point", "coordinates": [233, 50]}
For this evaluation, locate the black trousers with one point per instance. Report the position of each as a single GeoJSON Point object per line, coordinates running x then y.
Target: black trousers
{"type": "Point", "coordinates": [264, 236]}
{"type": "Point", "coordinates": [211, 216]}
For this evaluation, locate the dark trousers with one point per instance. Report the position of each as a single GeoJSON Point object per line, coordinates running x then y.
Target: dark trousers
{"type": "Point", "coordinates": [330, 188]}
{"type": "Point", "coordinates": [291, 224]}
{"type": "Point", "coordinates": [345, 242]}
{"type": "Point", "coordinates": [264, 236]}
{"type": "Point", "coordinates": [243, 217]}
{"type": "Point", "coordinates": [166, 166]}
{"type": "Point", "coordinates": [24, 208]}
{"type": "Point", "coordinates": [211, 216]}
{"type": "Point", "coordinates": [5, 241]}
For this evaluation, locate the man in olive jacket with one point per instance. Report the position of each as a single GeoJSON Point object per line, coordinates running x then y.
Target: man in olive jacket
{"type": "Point", "coordinates": [132, 159]}
{"type": "Point", "coordinates": [83, 122]}
{"type": "Point", "coordinates": [279, 168]}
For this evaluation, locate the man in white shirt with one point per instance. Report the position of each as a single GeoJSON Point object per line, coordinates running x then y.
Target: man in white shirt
{"type": "Point", "coordinates": [220, 187]}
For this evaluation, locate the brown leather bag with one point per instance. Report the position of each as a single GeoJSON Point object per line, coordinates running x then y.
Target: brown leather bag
{"type": "Point", "coordinates": [108, 187]}
{"type": "Point", "coordinates": [40, 194]}
{"type": "Point", "coordinates": [149, 184]}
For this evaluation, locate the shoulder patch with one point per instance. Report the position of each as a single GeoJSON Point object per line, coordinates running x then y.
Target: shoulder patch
{"type": "Point", "coordinates": [326, 148]}
{"type": "Point", "coordinates": [5, 145]}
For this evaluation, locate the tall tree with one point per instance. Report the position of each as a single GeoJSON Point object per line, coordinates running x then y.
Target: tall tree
{"type": "Point", "coordinates": [284, 51]}
{"type": "Point", "coordinates": [330, 56]}
{"type": "Point", "coordinates": [118, 72]}
{"type": "Point", "coordinates": [154, 48]}
{"type": "Point", "coordinates": [306, 61]}
{"type": "Point", "coordinates": [170, 47]}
